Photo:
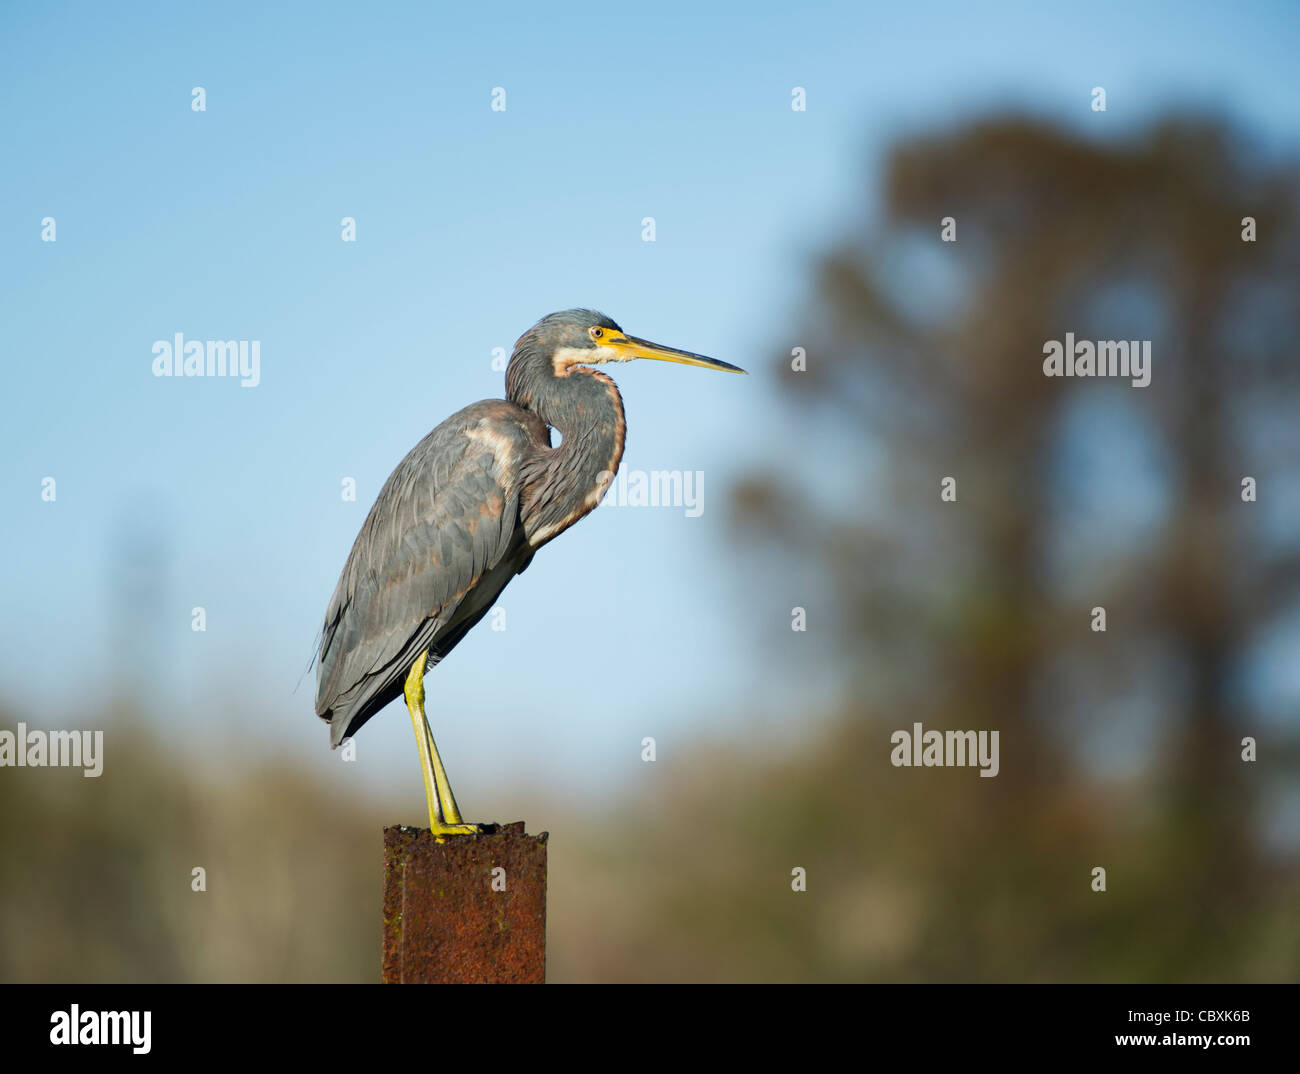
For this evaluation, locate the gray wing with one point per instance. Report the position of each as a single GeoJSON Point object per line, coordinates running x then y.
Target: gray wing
{"type": "Point", "coordinates": [441, 542]}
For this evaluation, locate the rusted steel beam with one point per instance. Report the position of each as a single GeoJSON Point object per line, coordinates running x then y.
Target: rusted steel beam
{"type": "Point", "coordinates": [450, 917]}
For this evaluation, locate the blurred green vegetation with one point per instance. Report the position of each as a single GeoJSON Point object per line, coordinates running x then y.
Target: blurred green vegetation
{"type": "Point", "coordinates": [912, 876]}
{"type": "Point", "coordinates": [931, 875]}
{"type": "Point", "coordinates": [96, 881]}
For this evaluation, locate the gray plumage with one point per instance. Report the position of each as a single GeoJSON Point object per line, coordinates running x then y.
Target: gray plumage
{"type": "Point", "coordinates": [461, 515]}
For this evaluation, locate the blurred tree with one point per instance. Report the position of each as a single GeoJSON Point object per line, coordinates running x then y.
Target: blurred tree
{"type": "Point", "coordinates": [925, 359]}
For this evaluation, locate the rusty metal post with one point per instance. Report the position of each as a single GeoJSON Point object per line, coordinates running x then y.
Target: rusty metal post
{"type": "Point", "coordinates": [450, 915]}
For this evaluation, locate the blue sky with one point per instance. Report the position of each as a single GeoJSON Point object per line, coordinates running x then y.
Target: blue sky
{"type": "Point", "coordinates": [471, 224]}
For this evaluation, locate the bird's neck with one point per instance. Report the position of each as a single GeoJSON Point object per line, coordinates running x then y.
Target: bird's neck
{"type": "Point", "coordinates": [563, 484]}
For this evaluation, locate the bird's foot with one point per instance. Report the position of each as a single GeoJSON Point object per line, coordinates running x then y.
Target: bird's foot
{"type": "Point", "coordinates": [442, 832]}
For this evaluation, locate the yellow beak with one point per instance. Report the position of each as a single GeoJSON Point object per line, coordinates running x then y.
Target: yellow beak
{"type": "Point", "coordinates": [631, 347]}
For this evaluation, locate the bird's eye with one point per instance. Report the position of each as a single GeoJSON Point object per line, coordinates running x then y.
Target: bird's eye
{"type": "Point", "coordinates": [596, 332]}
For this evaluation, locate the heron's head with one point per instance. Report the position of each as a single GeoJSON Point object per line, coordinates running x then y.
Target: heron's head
{"type": "Point", "coordinates": [559, 342]}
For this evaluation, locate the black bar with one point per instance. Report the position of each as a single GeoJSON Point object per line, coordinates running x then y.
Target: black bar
{"type": "Point", "coordinates": [922, 1022]}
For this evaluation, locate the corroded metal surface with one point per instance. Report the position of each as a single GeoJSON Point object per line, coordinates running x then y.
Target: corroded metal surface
{"type": "Point", "coordinates": [446, 919]}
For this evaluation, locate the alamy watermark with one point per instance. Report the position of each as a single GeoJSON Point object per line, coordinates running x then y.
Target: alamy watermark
{"type": "Point", "coordinates": [35, 748]}
{"type": "Point", "coordinates": [945, 749]}
{"type": "Point", "coordinates": [1105, 358]}
{"type": "Point", "coordinates": [178, 357]}
{"type": "Point", "coordinates": [75, 1026]}
{"type": "Point", "coordinates": [655, 488]}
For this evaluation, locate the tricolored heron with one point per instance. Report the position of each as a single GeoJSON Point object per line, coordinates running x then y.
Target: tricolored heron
{"type": "Point", "coordinates": [464, 513]}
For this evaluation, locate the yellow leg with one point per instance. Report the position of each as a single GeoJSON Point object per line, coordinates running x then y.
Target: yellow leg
{"type": "Point", "coordinates": [415, 705]}
{"type": "Point", "coordinates": [447, 800]}
{"type": "Point", "coordinates": [444, 817]}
